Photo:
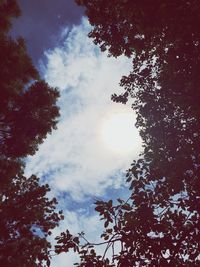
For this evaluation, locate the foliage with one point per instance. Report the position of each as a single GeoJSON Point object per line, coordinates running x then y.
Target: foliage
{"type": "Point", "coordinates": [28, 112]}
{"type": "Point", "coordinates": [28, 108]}
{"type": "Point", "coordinates": [27, 217]}
{"type": "Point", "coordinates": [28, 119]}
{"type": "Point", "coordinates": [159, 224]}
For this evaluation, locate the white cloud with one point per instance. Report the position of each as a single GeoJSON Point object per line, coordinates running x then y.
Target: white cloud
{"type": "Point", "coordinates": [73, 158]}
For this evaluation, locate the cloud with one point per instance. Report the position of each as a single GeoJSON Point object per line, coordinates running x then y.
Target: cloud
{"type": "Point", "coordinates": [73, 158]}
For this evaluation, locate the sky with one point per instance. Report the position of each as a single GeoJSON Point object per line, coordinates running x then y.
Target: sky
{"type": "Point", "coordinates": [86, 157]}
{"type": "Point", "coordinates": [42, 21]}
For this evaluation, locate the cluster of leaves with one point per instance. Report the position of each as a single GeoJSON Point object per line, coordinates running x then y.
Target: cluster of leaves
{"type": "Point", "coordinates": [85, 249]}
{"type": "Point", "coordinates": [159, 224]}
{"type": "Point", "coordinates": [27, 217]}
{"type": "Point", "coordinates": [28, 112]}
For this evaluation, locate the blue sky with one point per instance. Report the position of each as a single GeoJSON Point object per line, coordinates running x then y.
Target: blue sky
{"type": "Point", "coordinates": [42, 21]}
{"type": "Point", "coordinates": [76, 162]}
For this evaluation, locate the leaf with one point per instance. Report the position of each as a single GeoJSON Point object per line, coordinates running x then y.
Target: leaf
{"type": "Point", "coordinates": [48, 262]}
{"type": "Point", "coordinates": [120, 200]}
{"type": "Point", "coordinates": [128, 179]}
{"type": "Point", "coordinates": [106, 223]}
{"type": "Point", "coordinates": [126, 207]}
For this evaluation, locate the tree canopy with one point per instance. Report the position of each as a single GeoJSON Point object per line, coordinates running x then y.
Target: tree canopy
{"type": "Point", "coordinates": [159, 224]}
{"type": "Point", "coordinates": [23, 99]}
{"type": "Point", "coordinates": [28, 112]}
{"type": "Point", "coordinates": [27, 218]}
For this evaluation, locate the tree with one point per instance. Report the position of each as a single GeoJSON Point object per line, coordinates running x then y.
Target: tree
{"type": "Point", "coordinates": [159, 224]}
{"type": "Point", "coordinates": [28, 112]}
{"type": "Point", "coordinates": [28, 108]}
{"type": "Point", "coordinates": [27, 218]}
{"type": "Point", "coordinates": [28, 118]}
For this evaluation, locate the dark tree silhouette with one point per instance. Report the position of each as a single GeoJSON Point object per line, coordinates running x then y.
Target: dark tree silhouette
{"type": "Point", "coordinates": [28, 108]}
{"type": "Point", "coordinates": [27, 218]}
{"type": "Point", "coordinates": [28, 112]}
{"type": "Point", "coordinates": [27, 120]}
{"type": "Point", "coordinates": [159, 224]}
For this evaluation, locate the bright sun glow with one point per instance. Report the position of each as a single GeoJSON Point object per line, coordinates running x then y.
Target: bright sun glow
{"type": "Point", "coordinates": [118, 132]}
